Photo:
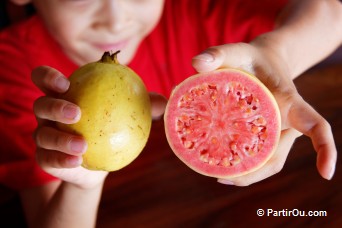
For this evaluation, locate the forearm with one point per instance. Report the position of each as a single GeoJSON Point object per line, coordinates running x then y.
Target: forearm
{"type": "Point", "coordinates": [72, 206]}
{"type": "Point", "coordinates": [306, 33]}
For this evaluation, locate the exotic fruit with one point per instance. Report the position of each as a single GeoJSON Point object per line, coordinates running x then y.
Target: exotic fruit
{"type": "Point", "coordinates": [222, 124]}
{"type": "Point", "coordinates": [116, 113]}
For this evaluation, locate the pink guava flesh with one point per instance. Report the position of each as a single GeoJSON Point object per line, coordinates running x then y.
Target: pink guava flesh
{"type": "Point", "coordinates": [222, 124]}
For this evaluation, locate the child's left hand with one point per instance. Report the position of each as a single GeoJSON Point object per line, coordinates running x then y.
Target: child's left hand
{"type": "Point", "coordinates": [296, 114]}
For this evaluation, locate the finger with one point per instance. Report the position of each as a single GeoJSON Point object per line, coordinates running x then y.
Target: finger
{"type": "Point", "coordinates": [272, 166]}
{"type": "Point", "coordinates": [48, 159]}
{"type": "Point", "coordinates": [52, 139]}
{"type": "Point", "coordinates": [158, 104]}
{"type": "Point", "coordinates": [56, 110]}
{"type": "Point", "coordinates": [306, 120]}
{"type": "Point", "coordinates": [236, 55]}
{"type": "Point", "coordinates": [49, 80]}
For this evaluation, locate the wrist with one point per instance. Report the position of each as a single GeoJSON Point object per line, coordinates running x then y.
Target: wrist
{"type": "Point", "coordinates": [270, 46]}
{"type": "Point", "coordinates": [66, 207]}
{"type": "Point", "coordinates": [302, 40]}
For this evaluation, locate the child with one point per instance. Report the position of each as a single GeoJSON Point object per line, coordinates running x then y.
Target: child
{"type": "Point", "coordinates": [159, 46]}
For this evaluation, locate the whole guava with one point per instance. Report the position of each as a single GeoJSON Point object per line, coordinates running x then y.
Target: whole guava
{"type": "Point", "coordinates": [115, 113]}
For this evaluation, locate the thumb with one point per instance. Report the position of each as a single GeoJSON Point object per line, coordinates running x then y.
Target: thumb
{"type": "Point", "coordinates": [209, 60]}
{"type": "Point", "coordinates": [238, 55]}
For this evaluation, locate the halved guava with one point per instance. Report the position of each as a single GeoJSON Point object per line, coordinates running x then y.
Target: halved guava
{"type": "Point", "coordinates": [222, 124]}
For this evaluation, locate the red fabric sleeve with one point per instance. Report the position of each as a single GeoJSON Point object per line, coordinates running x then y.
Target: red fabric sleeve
{"type": "Point", "coordinates": [18, 166]}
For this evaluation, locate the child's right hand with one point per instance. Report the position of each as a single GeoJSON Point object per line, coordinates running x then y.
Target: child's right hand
{"type": "Point", "coordinates": [60, 153]}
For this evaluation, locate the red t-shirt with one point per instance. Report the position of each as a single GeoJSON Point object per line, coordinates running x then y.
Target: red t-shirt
{"type": "Point", "coordinates": [163, 60]}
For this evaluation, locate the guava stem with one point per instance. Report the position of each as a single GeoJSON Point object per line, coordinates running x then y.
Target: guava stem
{"type": "Point", "coordinates": [110, 58]}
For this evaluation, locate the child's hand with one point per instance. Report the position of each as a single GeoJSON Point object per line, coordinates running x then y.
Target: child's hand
{"type": "Point", "coordinates": [60, 153]}
{"type": "Point", "coordinates": [296, 114]}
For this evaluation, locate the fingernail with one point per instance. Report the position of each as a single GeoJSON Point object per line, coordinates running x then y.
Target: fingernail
{"type": "Point", "coordinates": [62, 84]}
{"type": "Point", "coordinates": [78, 145]}
{"type": "Point", "coordinates": [224, 181]}
{"type": "Point", "coordinates": [332, 171]}
{"type": "Point", "coordinates": [71, 112]}
{"type": "Point", "coordinates": [205, 57]}
{"type": "Point", "coordinates": [74, 161]}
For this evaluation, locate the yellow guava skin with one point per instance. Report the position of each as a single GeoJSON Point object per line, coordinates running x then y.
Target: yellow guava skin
{"type": "Point", "coordinates": [115, 113]}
